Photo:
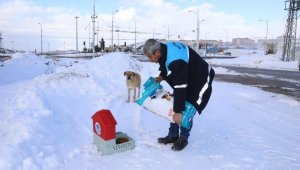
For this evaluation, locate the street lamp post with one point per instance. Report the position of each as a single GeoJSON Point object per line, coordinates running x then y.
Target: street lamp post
{"type": "Point", "coordinates": [153, 32]}
{"type": "Point", "coordinates": [97, 32]}
{"type": "Point", "coordinates": [0, 40]}
{"type": "Point", "coordinates": [198, 29]}
{"type": "Point", "coordinates": [76, 18]}
{"type": "Point", "coordinates": [118, 30]}
{"type": "Point", "coordinates": [41, 37]}
{"type": "Point", "coordinates": [168, 32]}
{"type": "Point", "coordinates": [226, 38]}
{"type": "Point", "coordinates": [206, 43]}
{"type": "Point", "coordinates": [89, 25]}
{"type": "Point", "coordinates": [206, 36]}
{"type": "Point", "coordinates": [94, 20]}
{"type": "Point", "coordinates": [12, 45]}
{"type": "Point", "coordinates": [112, 27]}
{"type": "Point", "coordinates": [198, 35]}
{"type": "Point", "coordinates": [135, 36]}
{"type": "Point", "coordinates": [267, 25]}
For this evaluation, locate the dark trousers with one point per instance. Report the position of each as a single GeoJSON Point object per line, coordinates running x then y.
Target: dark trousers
{"type": "Point", "coordinates": [184, 132]}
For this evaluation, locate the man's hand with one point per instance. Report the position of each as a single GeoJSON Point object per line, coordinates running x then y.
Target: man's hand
{"type": "Point", "coordinates": [177, 118]}
{"type": "Point", "coordinates": [158, 79]}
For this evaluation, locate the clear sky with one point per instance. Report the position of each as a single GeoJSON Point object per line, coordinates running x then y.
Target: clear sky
{"type": "Point", "coordinates": [223, 20]}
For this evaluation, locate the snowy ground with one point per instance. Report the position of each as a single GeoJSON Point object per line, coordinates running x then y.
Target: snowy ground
{"type": "Point", "coordinates": [46, 107]}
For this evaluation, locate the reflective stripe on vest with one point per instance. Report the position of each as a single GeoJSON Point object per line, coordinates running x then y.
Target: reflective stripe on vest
{"type": "Point", "coordinates": [180, 86]}
{"type": "Point", "coordinates": [205, 87]}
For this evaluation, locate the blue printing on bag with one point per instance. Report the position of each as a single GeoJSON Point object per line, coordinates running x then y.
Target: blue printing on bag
{"type": "Point", "coordinates": [148, 82]}
{"type": "Point", "coordinates": [150, 87]}
{"type": "Point", "coordinates": [187, 115]}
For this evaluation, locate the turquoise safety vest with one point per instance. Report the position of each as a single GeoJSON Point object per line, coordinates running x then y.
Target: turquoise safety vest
{"type": "Point", "coordinates": [176, 51]}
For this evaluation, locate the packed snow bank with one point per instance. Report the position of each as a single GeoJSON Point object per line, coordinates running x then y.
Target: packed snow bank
{"type": "Point", "coordinates": [46, 107]}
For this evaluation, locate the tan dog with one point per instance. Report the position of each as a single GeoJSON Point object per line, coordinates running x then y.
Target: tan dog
{"type": "Point", "coordinates": [133, 81]}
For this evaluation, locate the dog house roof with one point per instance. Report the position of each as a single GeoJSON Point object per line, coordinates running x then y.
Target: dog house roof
{"type": "Point", "coordinates": [105, 118]}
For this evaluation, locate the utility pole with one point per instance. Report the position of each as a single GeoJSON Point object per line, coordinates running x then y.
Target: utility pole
{"type": "Point", "coordinates": [135, 36]}
{"type": "Point", "coordinates": [41, 37]}
{"type": "Point", "coordinates": [112, 27]}
{"type": "Point", "coordinates": [76, 33]}
{"type": "Point", "coordinates": [93, 18]}
{"type": "Point", "coordinates": [0, 40]}
{"type": "Point", "coordinates": [289, 43]}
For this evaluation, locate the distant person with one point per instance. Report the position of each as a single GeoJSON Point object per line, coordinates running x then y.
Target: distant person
{"type": "Point", "coordinates": [102, 44]}
{"type": "Point", "coordinates": [191, 78]}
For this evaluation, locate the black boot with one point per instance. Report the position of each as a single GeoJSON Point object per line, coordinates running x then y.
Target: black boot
{"type": "Point", "coordinates": [179, 144]}
{"type": "Point", "coordinates": [167, 139]}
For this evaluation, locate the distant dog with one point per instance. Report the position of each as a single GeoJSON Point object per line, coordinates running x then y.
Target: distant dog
{"type": "Point", "coordinates": [133, 81]}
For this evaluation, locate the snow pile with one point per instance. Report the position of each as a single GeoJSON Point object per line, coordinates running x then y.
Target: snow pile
{"type": "Point", "coordinates": [46, 107]}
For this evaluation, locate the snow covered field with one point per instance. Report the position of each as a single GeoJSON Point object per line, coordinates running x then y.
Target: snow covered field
{"type": "Point", "coordinates": [46, 107]}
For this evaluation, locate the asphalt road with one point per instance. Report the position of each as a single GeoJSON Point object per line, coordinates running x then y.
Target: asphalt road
{"type": "Point", "coordinates": [276, 81]}
{"type": "Point", "coordinates": [280, 74]}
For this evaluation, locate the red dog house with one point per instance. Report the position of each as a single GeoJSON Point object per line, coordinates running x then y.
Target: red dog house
{"type": "Point", "coordinates": [104, 125]}
{"type": "Point", "coordinates": [107, 140]}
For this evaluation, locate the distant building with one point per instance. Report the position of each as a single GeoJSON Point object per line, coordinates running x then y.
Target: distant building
{"type": "Point", "coordinates": [243, 43]}
{"type": "Point", "coordinates": [202, 43]}
{"type": "Point", "coordinates": [1, 40]}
